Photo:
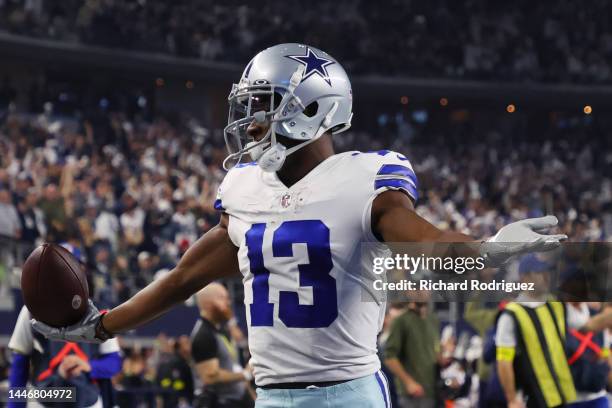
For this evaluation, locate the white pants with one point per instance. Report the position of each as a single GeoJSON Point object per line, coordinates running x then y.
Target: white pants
{"type": "Point", "coordinates": [366, 392]}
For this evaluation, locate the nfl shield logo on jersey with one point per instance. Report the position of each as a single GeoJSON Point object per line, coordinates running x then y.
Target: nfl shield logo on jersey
{"type": "Point", "coordinates": [286, 200]}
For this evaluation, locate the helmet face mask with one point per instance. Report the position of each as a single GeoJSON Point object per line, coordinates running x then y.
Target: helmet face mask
{"type": "Point", "coordinates": [248, 104]}
{"type": "Point", "coordinates": [295, 99]}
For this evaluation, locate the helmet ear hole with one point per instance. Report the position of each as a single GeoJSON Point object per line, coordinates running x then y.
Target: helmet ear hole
{"type": "Point", "coordinates": [311, 109]}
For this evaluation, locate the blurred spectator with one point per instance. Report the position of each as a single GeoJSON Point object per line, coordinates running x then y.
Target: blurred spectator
{"type": "Point", "coordinates": [185, 221]}
{"type": "Point", "coordinates": [132, 221]}
{"type": "Point", "coordinates": [590, 365]}
{"type": "Point", "coordinates": [53, 207]}
{"type": "Point", "coordinates": [134, 378]}
{"type": "Point", "coordinates": [21, 186]}
{"type": "Point", "coordinates": [10, 226]}
{"type": "Point", "coordinates": [412, 353]}
{"type": "Point", "coordinates": [458, 383]}
{"type": "Point", "coordinates": [107, 227]}
{"type": "Point", "coordinates": [32, 219]}
{"type": "Point", "coordinates": [148, 266]}
{"type": "Point", "coordinates": [215, 357]}
{"type": "Point", "coordinates": [174, 375]}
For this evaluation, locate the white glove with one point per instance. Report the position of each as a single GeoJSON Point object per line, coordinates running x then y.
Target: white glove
{"type": "Point", "coordinates": [83, 331]}
{"type": "Point", "coordinates": [521, 237]}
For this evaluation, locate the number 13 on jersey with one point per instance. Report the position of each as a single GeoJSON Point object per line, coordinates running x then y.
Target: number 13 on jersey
{"type": "Point", "coordinates": [315, 273]}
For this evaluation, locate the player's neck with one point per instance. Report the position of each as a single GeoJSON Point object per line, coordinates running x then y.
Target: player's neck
{"type": "Point", "coordinates": [302, 162]}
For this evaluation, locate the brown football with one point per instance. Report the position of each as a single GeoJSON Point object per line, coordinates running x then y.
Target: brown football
{"type": "Point", "coordinates": [54, 286]}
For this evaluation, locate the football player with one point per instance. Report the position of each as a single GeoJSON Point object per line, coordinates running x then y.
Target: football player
{"type": "Point", "coordinates": [292, 223]}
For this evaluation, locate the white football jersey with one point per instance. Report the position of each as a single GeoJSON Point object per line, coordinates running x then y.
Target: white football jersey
{"type": "Point", "coordinates": [311, 311]}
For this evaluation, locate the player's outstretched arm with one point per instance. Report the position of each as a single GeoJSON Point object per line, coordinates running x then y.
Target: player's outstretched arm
{"type": "Point", "coordinates": [211, 257]}
{"type": "Point", "coordinates": [394, 220]}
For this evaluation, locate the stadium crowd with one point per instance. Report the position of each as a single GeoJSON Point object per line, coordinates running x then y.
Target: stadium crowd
{"type": "Point", "coordinates": [135, 195]}
{"type": "Point", "coordinates": [516, 41]}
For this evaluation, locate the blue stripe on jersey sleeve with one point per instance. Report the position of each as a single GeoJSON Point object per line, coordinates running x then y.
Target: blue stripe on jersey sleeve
{"type": "Point", "coordinates": [218, 205]}
{"type": "Point", "coordinates": [398, 184]}
{"type": "Point", "coordinates": [398, 170]}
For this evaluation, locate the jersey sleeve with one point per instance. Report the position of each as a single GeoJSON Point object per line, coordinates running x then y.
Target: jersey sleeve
{"type": "Point", "coordinates": [395, 172]}
{"type": "Point", "coordinates": [219, 200]}
{"type": "Point", "coordinates": [227, 192]}
{"type": "Point", "coordinates": [386, 170]}
{"type": "Point", "coordinates": [218, 204]}
{"type": "Point", "coordinates": [22, 340]}
{"type": "Point", "coordinates": [231, 197]}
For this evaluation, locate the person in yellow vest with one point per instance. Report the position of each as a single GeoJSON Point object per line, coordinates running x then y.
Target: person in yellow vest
{"type": "Point", "coordinates": [530, 344]}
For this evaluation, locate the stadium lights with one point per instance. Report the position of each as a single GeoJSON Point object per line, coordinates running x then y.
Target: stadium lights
{"type": "Point", "coordinates": [404, 100]}
{"type": "Point", "coordinates": [587, 109]}
{"type": "Point", "coordinates": [443, 102]}
{"type": "Point", "coordinates": [510, 108]}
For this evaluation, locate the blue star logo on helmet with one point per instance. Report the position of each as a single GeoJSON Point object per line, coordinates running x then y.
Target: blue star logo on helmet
{"type": "Point", "coordinates": [314, 65]}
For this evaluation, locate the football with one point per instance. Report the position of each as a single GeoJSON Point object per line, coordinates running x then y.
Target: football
{"type": "Point", "coordinates": [54, 286]}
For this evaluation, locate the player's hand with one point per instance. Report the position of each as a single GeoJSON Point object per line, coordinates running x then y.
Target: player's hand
{"type": "Point", "coordinates": [85, 330]}
{"type": "Point", "coordinates": [521, 237]}
{"type": "Point", "coordinates": [73, 366]}
{"type": "Point", "coordinates": [414, 389]}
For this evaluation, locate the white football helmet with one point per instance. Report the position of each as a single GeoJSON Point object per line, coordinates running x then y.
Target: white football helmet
{"type": "Point", "coordinates": [300, 90]}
